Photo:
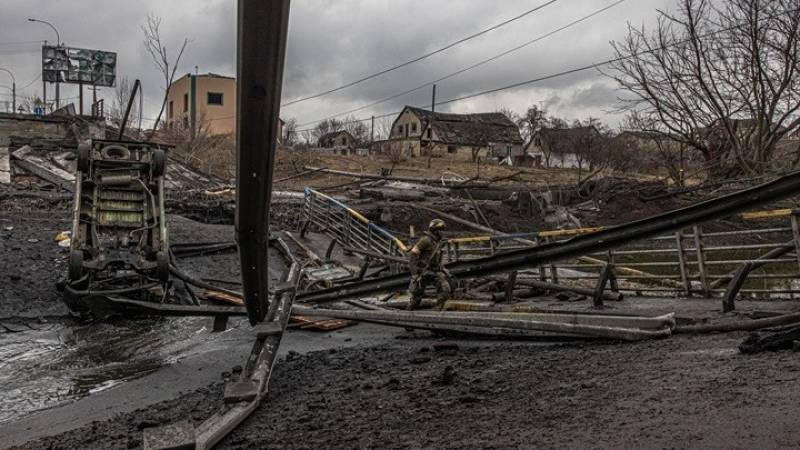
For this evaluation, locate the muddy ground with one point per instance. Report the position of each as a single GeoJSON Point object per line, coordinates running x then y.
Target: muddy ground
{"type": "Point", "coordinates": [683, 392]}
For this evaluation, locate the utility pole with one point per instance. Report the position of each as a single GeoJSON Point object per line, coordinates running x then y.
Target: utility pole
{"type": "Point", "coordinates": [13, 89]}
{"type": "Point", "coordinates": [372, 133]}
{"type": "Point", "coordinates": [430, 126]}
{"type": "Point", "coordinates": [58, 48]}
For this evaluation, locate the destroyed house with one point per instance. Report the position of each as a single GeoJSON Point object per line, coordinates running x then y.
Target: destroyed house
{"type": "Point", "coordinates": [562, 147]}
{"type": "Point", "coordinates": [464, 136]}
{"type": "Point", "coordinates": [337, 140]}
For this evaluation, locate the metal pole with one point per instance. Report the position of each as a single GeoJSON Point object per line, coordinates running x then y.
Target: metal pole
{"type": "Point", "coordinates": [13, 90]}
{"type": "Point", "coordinates": [430, 126]}
{"type": "Point", "coordinates": [58, 46]}
{"type": "Point", "coordinates": [261, 48]}
{"type": "Point", "coordinates": [372, 133]}
{"type": "Point", "coordinates": [687, 286]}
{"type": "Point", "coordinates": [701, 259]}
{"type": "Point", "coordinates": [80, 98]}
{"type": "Point", "coordinates": [136, 85]}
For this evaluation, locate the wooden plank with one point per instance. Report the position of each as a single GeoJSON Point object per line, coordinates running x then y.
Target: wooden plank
{"type": "Point", "coordinates": [221, 297]}
{"type": "Point", "coordinates": [5, 166]}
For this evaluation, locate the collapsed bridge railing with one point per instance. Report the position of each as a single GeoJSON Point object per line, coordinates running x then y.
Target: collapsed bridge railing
{"type": "Point", "coordinates": [687, 262]}
{"type": "Point", "coordinates": [578, 246]}
{"type": "Point", "coordinates": [348, 227]}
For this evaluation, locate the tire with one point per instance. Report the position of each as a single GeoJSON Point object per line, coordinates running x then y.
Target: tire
{"type": "Point", "coordinates": [75, 265]}
{"type": "Point", "coordinates": [158, 163]}
{"type": "Point", "coordinates": [83, 158]}
{"type": "Point", "coordinates": [162, 264]}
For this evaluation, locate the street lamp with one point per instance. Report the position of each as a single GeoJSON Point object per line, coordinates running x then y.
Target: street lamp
{"type": "Point", "coordinates": [13, 89]}
{"type": "Point", "coordinates": [58, 44]}
{"type": "Point", "coordinates": [58, 37]}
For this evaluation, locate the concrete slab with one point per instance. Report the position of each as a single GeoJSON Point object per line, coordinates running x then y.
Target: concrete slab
{"type": "Point", "coordinates": [5, 165]}
{"type": "Point", "coordinates": [26, 159]}
{"type": "Point", "coordinates": [265, 329]}
{"type": "Point", "coordinates": [240, 391]}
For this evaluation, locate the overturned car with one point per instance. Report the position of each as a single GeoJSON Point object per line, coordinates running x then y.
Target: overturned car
{"type": "Point", "coordinates": [119, 236]}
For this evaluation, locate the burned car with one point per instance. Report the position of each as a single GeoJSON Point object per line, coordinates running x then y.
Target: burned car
{"type": "Point", "coordinates": [119, 240]}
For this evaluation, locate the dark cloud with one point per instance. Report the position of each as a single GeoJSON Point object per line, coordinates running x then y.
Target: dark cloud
{"type": "Point", "coordinates": [335, 41]}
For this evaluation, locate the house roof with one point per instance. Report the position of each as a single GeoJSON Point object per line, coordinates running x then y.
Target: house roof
{"type": "Point", "coordinates": [333, 135]}
{"type": "Point", "coordinates": [468, 129]}
{"type": "Point", "coordinates": [565, 140]}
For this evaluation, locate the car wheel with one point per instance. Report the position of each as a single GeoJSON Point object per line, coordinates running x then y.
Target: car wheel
{"type": "Point", "coordinates": [83, 158]}
{"type": "Point", "coordinates": [159, 163]}
{"type": "Point", "coordinates": [75, 265]}
{"type": "Point", "coordinates": [162, 262]}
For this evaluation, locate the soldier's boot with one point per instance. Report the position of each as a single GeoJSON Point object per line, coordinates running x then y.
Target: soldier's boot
{"type": "Point", "coordinates": [443, 291]}
{"type": "Point", "coordinates": [413, 303]}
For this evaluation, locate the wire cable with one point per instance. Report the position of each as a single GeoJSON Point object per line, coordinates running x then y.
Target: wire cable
{"type": "Point", "coordinates": [419, 58]}
{"type": "Point", "coordinates": [571, 71]}
{"type": "Point", "coordinates": [468, 68]}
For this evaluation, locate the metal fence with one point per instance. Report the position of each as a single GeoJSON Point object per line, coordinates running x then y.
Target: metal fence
{"type": "Point", "coordinates": [689, 262]}
{"type": "Point", "coordinates": [348, 227]}
{"type": "Point", "coordinates": [697, 261]}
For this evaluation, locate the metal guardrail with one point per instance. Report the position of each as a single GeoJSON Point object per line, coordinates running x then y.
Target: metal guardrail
{"type": "Point", "coordinates": [687, 262]}
{"type": "Point", "coordinates": [349, 227]}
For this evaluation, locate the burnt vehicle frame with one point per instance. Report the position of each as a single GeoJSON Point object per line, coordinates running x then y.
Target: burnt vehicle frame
{"type": "Point", "coordinates": [119, 242]}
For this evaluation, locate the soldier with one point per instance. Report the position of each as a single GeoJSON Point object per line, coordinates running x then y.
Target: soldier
{"type": "Point", "coordinates": [425, 265]}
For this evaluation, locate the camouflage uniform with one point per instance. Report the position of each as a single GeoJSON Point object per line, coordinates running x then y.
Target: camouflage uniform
{"type": "Point", "coordinates": [425, 265]}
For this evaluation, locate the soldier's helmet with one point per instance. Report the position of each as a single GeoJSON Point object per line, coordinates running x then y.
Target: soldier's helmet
{"type": "Point", "coordinates": [436, 225]}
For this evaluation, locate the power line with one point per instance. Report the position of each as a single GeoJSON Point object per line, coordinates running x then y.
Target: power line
{"type": "Point", "coordinates": [38, 77]}
{"type": "Point", "coordinates": [565, 72]}
{"type": "Point", "coordinates": [21, 42]}
{"type": "Point", "coordinates": [473, 66]}
{"type": "Point", "coordinates": [419, 58]}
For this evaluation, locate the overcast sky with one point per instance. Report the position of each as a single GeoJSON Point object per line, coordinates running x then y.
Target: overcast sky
{"type": "Point", "coordinates": [335, 41]}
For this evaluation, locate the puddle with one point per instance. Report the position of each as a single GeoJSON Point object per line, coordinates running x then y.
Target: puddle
{"type": "Point", "coordinates": [49, 367]}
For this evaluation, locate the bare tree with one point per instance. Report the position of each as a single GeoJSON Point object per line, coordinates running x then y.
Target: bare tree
{"type": "Point", "coordinates": [383, 128]}
{"type": "Point", "coordinates": [533, 120]}
{"type": "Point", "coordinates": [721, 78]}
{"type": "Point", "coordinates": [29, 102]}
{"type": "Point", "coordinates": [290, 137]}
{"type": "Point", "coordinates": [326, 126]}
{"type": "Point", "coordinates": [159, 55]}
{"type": "Point", "coordinates": [659, 149]}
{"type": "Point", "coordinates": [122, 94]}
{"type": "Point", "coordinates": [358, 129]}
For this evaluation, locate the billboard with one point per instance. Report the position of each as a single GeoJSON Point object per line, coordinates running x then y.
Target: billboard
{"type": "Point", "coordinates": [78, 65]}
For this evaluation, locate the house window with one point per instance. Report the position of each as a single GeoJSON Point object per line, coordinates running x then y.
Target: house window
{"type": "Point", "coordinates": [171, 109]}
{"type": "Point", "coordinates": [214, 98]}
{"type": "Point", "coordinates": [451, 149]}
{"type": "Point", "coordinates": [186, 123]}
{"type": "Point", "coordinates": [406, 130]}
{"type": "Point", "coordinates": [414, 127]}
{"type": "Point", "coordinates": [429, 133]}
{"type": "Point", "coordinates": [399, 129]}
{"type": "Point", "coordinates": [185, 102]}
{"type": "Point", "coordinates": [344, 141]}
